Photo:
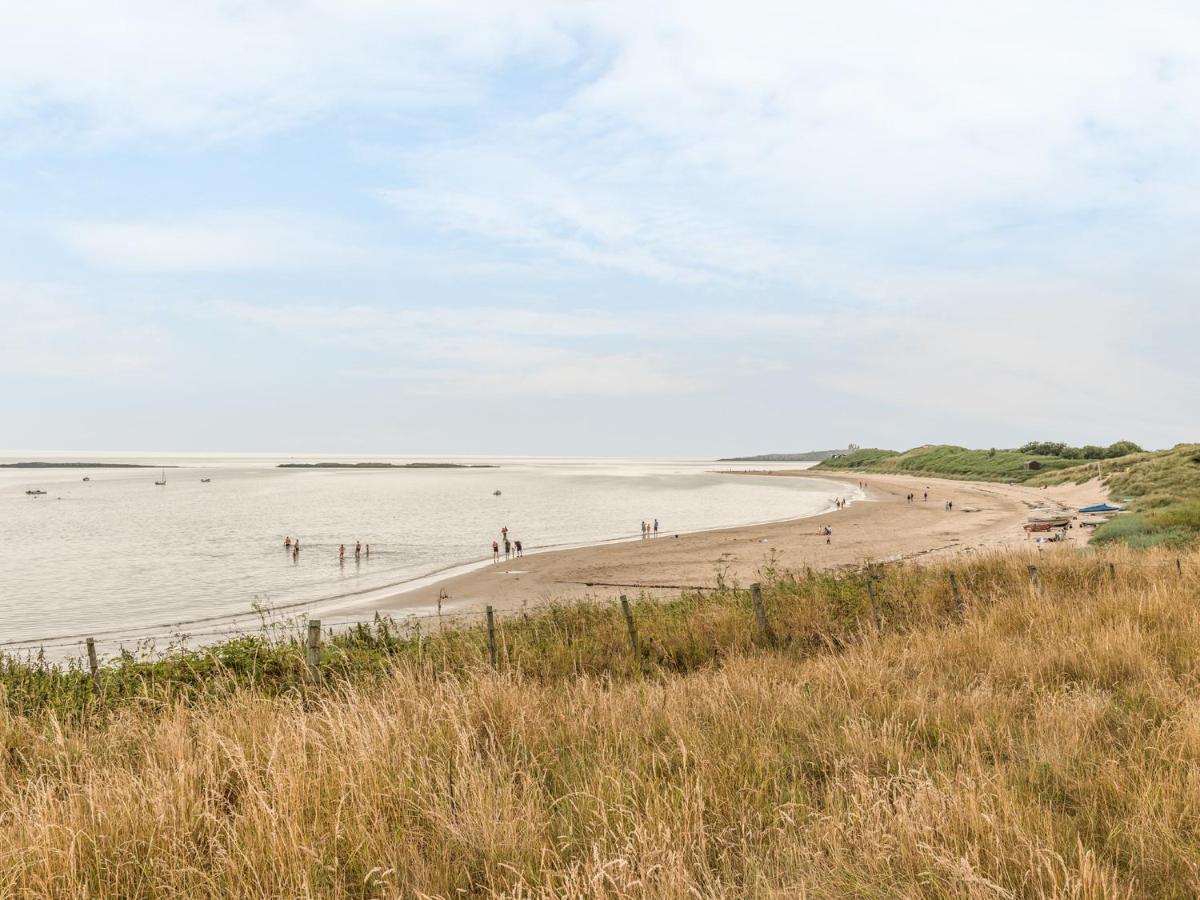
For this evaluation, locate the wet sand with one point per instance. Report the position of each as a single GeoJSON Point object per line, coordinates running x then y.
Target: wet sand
{"type": "Point", "coordinates": [882, 527]}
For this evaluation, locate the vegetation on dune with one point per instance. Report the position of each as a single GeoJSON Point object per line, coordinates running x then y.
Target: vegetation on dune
{"type": "Point", "coordinates": [862, 458]}
{"type": "Point", "coordinates": [945, 461]}
{"type": "Point", "coordinates": [1087, 451]}
{"type": "Point", "coordinates": [1162, 489]}
{"type": "Point", "coordinates": [1031, 738]}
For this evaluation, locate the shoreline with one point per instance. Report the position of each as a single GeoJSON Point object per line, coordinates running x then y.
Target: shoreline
{"type": "Point", "coordinates": [878, 525]}
{"type": "Point", "coordinates": [392, 592]}
{"type": "Point", "coordinates": [344, 609]}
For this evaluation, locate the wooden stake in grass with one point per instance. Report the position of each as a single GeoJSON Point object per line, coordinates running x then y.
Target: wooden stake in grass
{"type": "Point", "coordinates": [1112, 574]}
{"type": "Point", "coordinates": [958, 601]}
{"type": "Point", "coordinates": [1033, 575]}
{"type": "Point", "coordinates": [93, 663]}
{"type": "Point", "coordinates": [874, 603]}
{"type": "Point", "coordinates": [1178, 568]}
{"type": "Point", "coordinates": [491, 629]}
{"type": "Point", "coordinates": [312, 650]}
{"type": "Point", "coordinates": [632, 629]}
{"type": "Point", "coordinates": [760, 613]}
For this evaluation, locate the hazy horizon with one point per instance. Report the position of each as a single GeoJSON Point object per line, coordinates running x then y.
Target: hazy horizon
{"type": "Point", "coordinates": [525, 227]}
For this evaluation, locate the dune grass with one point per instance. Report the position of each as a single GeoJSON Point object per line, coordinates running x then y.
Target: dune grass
{"type": "Point", "coordinates": [1029, 738]}
{"type": "Point", "coordinates": [945, 461]}
{"type": "Point", "coordinates": [1161, 488]}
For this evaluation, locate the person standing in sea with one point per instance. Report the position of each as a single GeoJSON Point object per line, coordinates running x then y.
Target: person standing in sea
{"type": "Point", "coordinates": [656, 527]}
{"type": "Point", "coordinates": [520, 550]}
{"type": "Point", "coordinates": [495, 552]}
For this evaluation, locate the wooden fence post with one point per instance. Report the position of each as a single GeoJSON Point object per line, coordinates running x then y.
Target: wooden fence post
{"type": "Point", "coordinates": [632, 629]}
{"type": "Point", "coordinates": [958, 601]}
{"type": "Point", "coordinates": [760, 613]}
{"type": "Point", "coordinates": [93, 663]}
{"type": "Point", "coordinates": [874, 603]}
{"type": "Point", "coordinates": [491, 629]}
{"type": "Point", "coordinates": [1178, 567]}
{"type": "Point", "coordinates": [1033, 575]}
{"type": "Point", "coordinates": [312, 649]}
{"type": "Point", "coordinates": [1112, 574]}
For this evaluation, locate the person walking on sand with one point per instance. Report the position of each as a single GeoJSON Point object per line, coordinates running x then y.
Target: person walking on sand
{"type": "Point", "coordinates": [520, 550]}
{"type": "Point", "coordinates": [357, 549]}
{"type": "Point", "coordinates": [495, 552]}
{"type": "Point", "coordinates": [656, 527]}
{"type": "Point", "coordinates": [507, 549]}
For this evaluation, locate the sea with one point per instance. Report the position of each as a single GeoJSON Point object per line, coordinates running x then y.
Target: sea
{"type": "Point", "coordinates": [110, 554]}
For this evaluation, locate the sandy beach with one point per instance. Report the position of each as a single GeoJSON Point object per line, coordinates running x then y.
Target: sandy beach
{"type": "Point", "coordinates": [882, 527]}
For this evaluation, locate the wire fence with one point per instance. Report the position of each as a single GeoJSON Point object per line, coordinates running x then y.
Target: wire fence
{"type": "Point", "coordinates": [177, 635]}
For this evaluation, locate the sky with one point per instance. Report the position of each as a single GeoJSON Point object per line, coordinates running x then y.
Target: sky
{"type": "Point", "coordinates": [597, 228]}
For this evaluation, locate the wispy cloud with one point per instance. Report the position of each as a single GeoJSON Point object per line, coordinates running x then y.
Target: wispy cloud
{"type": "Point", "coordinates": [53, 332]}
{"type": "Point", "coordinates": [798, 206]}
{"type": "Point", "coordinates": [216, 72]}
{"type": "Point", "coordinates": [224, 241]}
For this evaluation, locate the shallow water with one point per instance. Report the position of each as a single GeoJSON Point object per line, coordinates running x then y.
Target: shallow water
{"type": "Point", "coordinates": [119, 557]}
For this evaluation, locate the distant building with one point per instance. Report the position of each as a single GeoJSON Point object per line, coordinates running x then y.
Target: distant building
{"type": "Point", "coordinates": [1032, 465]}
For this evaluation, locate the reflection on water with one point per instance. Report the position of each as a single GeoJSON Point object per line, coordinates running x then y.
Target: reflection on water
{"type": "Point", "coordinates": [119, 553]}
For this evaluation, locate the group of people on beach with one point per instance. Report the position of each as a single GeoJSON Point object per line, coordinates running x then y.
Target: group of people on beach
{"type": "Point", "coordinates": [293, 544]}
{"type": "Point", "coordinates": [358, 551]}
{"type": "Point", "coordinates": [512, 549]}
{"type": "Point", "coordinates": [911, 497]}
{"type": "Point", "coordinates": [649, 529]}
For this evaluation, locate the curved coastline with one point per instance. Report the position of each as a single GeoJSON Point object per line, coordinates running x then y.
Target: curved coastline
{"type": "Point", "coordinates": [886, 527]}
{"type": "Point", "coordinates": [226, 625]}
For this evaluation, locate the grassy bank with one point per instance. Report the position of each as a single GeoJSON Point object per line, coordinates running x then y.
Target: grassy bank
{"type": "Point", "coordinates": [944, 461]}
{"type": "Point", "coordinates": [1161, 489]}
{"type": "Point", "coordinates": [1027, 738]}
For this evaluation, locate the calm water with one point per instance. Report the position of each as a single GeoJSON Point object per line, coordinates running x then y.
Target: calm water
{"type": "Point", "coordinates": [118, 556]}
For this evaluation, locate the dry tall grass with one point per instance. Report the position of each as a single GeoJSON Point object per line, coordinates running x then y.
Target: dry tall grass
{"type": "Point", "coordinates": [1042, 742]}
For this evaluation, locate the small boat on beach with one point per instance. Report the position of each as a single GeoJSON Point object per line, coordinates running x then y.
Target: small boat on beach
{"type": "Point", "coordinates": [205, 480]}
{"type": "Point", "coordinates": [35, 493]}
{"type": "Point", "coordinates": [86, 478]}
{"type": "Point", "coordinates": [1047, 526]}
{"type": "Point", "coordinates": [164, 478]}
